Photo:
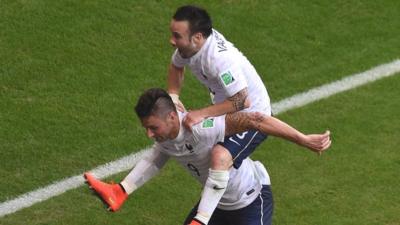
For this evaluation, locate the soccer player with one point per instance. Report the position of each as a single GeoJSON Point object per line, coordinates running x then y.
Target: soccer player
{"type": "Point", "coordinates": [232, 80]}
{"type": "Point", "coordinates": [239, 196]}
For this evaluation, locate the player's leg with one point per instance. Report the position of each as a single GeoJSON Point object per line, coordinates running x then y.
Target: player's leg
{"type": "Point", "coordinates": [191, 215]}
{"type": "Point", "coordinates": [259, 212]}
{"type": "Point", "coordinates": [112, 194]}
{"type": "Point", "coordinates": [216, 219]}
{"type": "Point", "coordinates": [232, 152]}
{"type": "Point", "coordinates": [240, 146]}
{"type": "Point", "coordinates": [267, 204]}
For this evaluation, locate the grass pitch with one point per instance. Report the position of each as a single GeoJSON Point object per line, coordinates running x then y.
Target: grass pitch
{"type": "Point", "coordinates": [71, 71]}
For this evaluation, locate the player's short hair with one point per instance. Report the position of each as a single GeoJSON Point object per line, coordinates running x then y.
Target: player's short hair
{"type": "Point", "coordinates": [198, 18]}
{"type": "Point", "coordinates": [154, 102]}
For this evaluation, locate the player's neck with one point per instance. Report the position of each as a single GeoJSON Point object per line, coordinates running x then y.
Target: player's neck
{"type": "Point", "coordinates": [196, 48]}
{"type": "Point", "coordinates": [175, 129]}
{"type": "Point", "coordinates": [200, 44]}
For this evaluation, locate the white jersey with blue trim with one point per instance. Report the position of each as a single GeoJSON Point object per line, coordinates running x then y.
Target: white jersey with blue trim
{"type": "Point", "coordinates": [193, 151]}
{"type": "Point", "coordinates": [221, 67]}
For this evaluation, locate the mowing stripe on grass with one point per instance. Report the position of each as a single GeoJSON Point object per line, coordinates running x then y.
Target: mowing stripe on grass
{"type": "Point", "coordinates": [127, 162]}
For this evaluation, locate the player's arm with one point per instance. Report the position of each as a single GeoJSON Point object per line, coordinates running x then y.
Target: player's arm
{"type": "Point", "coordinates": [232, 83]}
{"type": "Point", "coordinates": [114, 195]}
{"type": "Point", "coordinates": [237, 102]}
{"type": "Point", "coordinates": [175, 79]}
{"type": "Point", "coordinates": [175, 82]}
{"type": "Point", "coordinates": [241, 121]}
{"type": "Point", "coordinates": [144, 170]}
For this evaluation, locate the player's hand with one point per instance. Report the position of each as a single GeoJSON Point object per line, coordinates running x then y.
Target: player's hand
{"type": "Point", "coordinates": [179, 105]}
{"type": "Point", "coordinates": [192, 118]}
{"type": "Point", "coordinates": [318, 142]}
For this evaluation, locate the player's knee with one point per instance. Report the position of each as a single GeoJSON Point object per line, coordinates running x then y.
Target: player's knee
{"type": "Point", "coordinates": [221, 158]}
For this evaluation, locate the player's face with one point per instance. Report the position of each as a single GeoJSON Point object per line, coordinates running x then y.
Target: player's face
{"type": "Point", "coordinates": [181, 38]}
{"type": "Point", "coordinates": [158, 128]}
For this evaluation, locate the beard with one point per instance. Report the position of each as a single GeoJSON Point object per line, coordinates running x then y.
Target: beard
{"type": "Point", "coordinates": [189, 50]}
{"type": "Point", "coordinates": [160, 139]}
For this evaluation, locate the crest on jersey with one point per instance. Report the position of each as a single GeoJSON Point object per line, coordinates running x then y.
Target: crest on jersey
{"type": "Point", "coordinates": [227, 78]}
{"type": "Point", "coordinates": [208, 123]}
{"type": "Point", "coordinates": [189, 147]}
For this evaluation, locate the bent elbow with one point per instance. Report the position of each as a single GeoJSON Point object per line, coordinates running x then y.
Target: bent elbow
{"type": "Point", "coordinates": [246, 103]}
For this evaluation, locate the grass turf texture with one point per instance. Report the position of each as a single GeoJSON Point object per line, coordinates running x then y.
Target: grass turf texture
{"type": "Point", "coordinates": [71, 72]}
{"type": "Point", "coordinates": [353, 183]}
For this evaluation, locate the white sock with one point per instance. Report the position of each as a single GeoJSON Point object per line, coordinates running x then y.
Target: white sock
{"type": "Point", "coordinates": [213, 191]}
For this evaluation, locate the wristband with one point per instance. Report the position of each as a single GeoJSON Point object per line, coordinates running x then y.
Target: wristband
{"type": "Point", "coordinates": [175, 98]}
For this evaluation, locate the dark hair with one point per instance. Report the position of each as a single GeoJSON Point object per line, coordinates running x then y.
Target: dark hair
{"type": "Point", "coordinates": [198, 18]}
{"type": "Point", "coordinates": [154, 102]}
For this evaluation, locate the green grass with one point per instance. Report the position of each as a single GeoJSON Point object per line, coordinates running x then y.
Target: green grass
{"type": "Point", "coordinates": [353, 183]}
{"type": "Point", "coordinates": [71, 71]}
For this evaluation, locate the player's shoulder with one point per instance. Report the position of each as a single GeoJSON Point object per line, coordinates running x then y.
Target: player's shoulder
{"type": "Point", "coordinates": [221, 54]}
{"type": "Point", "coordinates": [211, 126]}
{"type": "Point", "coordinates": [203, 126]}
{"type": "Point", "coordinates": [219, 46]}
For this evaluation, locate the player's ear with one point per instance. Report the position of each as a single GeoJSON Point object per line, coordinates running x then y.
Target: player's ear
{"type": "Point", "coordinates": [172, 115]}
{"type": "Point", "coordinates": [197, 37]}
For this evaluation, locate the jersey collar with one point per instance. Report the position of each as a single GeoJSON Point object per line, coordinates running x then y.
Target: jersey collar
{"type": "Point", "coordinates": [202, 49]}
{"type": "Point", "coordinates": [180, 136]}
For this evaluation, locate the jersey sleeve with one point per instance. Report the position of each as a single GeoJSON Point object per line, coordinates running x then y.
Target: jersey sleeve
{"type": "Point", "coordinates": [178, 61]}
{"type": "Point", "coordinates": [145, 169]}
{"type": "Point", "coordinates": [231, 76]}
{"type": "Point", "coordinates": [157, 157]}
{"type": "Point", "coordinates": [211, 130]}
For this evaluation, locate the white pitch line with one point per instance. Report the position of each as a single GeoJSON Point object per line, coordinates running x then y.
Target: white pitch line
{"type": "Point", "coordinates": [127, 162]}
{"type": "Point", "coordinates": [342, 85]}
{"type": "Point", "coordinates": [59, 187]}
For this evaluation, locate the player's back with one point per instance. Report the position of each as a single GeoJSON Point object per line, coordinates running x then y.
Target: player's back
{"type": "Point", "coordinates": [193, 151]}
{"type": "Point", "coordinates": [224, 70]}
{"type": "Point", "coordinates": [224, 59]}
{"type": "Point", "coordinates": [233, 71]}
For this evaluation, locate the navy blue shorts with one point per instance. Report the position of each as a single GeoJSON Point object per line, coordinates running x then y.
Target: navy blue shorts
{"type": "Point", "coordinates": [242, 145]}
{"type": "Point", "coordinates": [259, 212]}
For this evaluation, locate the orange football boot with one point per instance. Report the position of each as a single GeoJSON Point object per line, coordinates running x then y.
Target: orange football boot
{"type": "Point", "coordinates": [112, 194]}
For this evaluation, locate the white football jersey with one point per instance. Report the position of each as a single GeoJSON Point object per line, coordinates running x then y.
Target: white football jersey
{"type": "Point", "coordinates": [221, 67]}
{"type": "Point", "coordinates": [193, 151]}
